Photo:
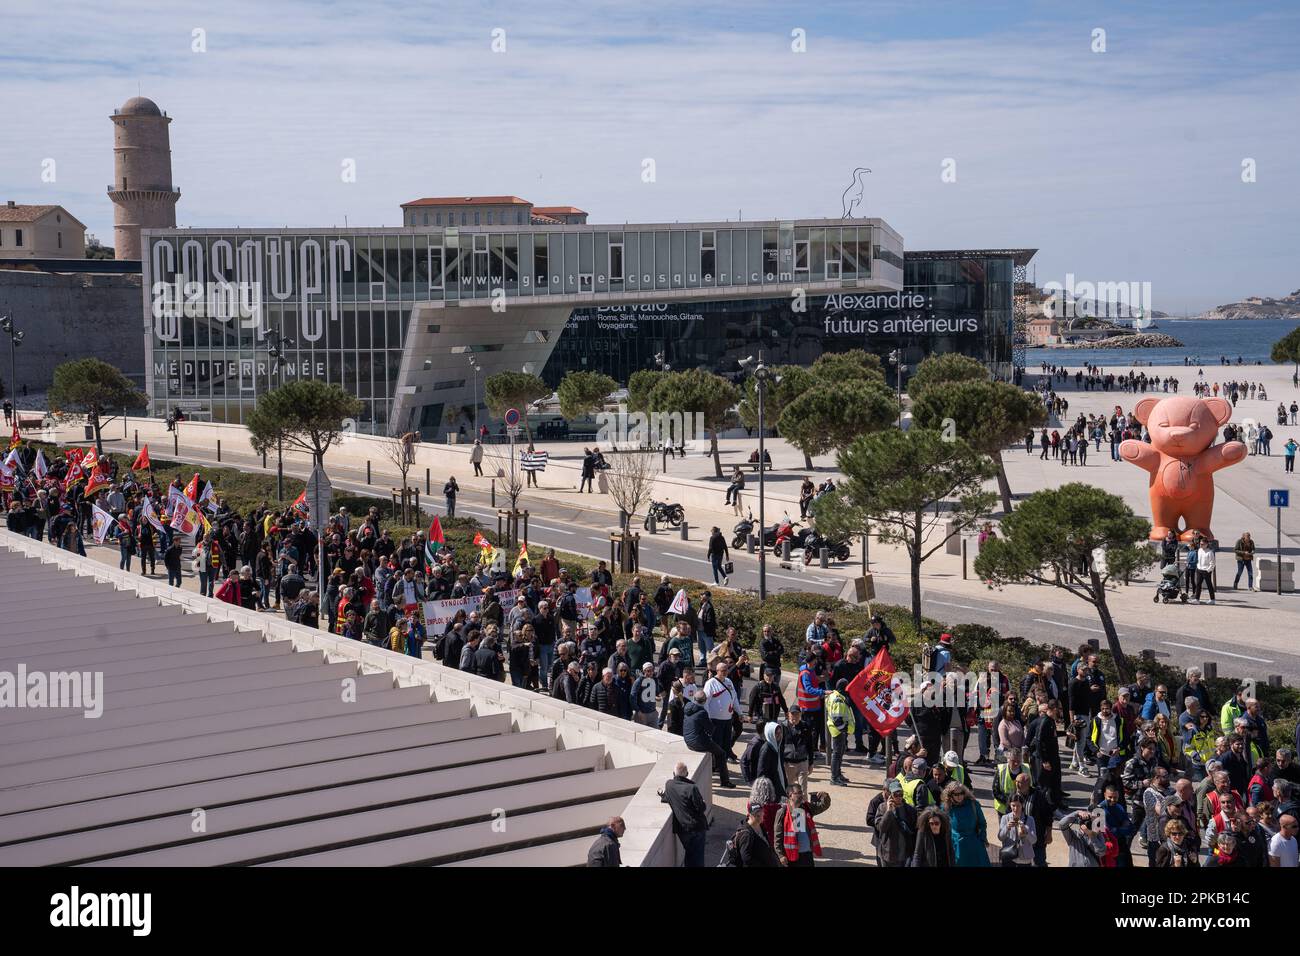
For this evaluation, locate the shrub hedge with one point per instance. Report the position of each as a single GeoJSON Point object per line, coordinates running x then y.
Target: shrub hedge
{"type": "Point", "coordinates": [788, 612]}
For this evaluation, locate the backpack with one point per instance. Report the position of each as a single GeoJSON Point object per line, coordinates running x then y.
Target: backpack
{"type": "Point", "coordinates": [729, 855]}
{"type": "Point", "coordinates": [929, 656]}
{"type": "Point", "coordinates": [749, 760]}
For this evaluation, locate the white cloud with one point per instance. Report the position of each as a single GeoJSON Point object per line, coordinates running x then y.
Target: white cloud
{"type": "Point", "coordinates": [1117, 166]}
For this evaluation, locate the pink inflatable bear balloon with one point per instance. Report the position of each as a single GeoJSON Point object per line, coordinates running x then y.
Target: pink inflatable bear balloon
{"type": "Point", "coordinates": [1182, 459]}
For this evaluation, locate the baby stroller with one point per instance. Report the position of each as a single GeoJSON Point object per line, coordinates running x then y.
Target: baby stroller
{"type": "Point", "coordinates": [1169, 588]}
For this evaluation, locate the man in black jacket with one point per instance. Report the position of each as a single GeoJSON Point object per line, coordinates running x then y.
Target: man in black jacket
{"type": "Point", "coordinates": [488, 659]}
{"type": "Point", "coordinates": [766, 702]}
{"type": "Point", "coordinates": [1045, 758]}
{"type": "Point", "coordinates": [690, 816]}
{"type": "Point", "coordinates": [750, 845]}
{"type": "Point", "coordinates": [708, 627]}
{"type": "Point", "coordinates": [771, 650]}
{"type": "Point", "coordinates": [846, 670]}
{"type": "Point", "coordinates": [697, 732]}
{"type": "Point", "coordinates": [605, 852]}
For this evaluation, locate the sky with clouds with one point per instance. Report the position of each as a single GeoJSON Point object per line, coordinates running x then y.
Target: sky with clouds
{"type": "Point", "coordinates": [1123, 165]}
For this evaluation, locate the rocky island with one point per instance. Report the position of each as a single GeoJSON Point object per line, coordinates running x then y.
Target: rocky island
{"type": "Point", "coordinates": [1134, 340]}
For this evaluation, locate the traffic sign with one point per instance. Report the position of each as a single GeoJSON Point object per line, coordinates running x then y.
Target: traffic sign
{"type": "Point", "coordinates": [319, 490]}
{"type": "Point", "coordinates": [512, 418]}
{"type": "Point", "coordinates": [1279, 498]}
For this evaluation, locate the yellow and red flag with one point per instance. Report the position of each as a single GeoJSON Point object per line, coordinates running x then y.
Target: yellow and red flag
{"type": "Point", "coordinates": [192, 490]}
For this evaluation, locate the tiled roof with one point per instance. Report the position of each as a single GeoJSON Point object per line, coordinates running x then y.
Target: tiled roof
{"type": "Point", "coordinates": [559, 211]}
{"type": "Point", "coordinates": [468, 201]}
{"type": "Point", "coordinates": [24, 213]}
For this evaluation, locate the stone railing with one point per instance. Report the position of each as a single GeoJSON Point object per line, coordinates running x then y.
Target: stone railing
{"type": "Point", "coordinates": [649, 839]}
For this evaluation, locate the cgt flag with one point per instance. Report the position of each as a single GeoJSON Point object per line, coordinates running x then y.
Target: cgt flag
{"type": "Point", "coordinates": [877, 694]}
{"type": "Point", "coordinates": [101, 522]}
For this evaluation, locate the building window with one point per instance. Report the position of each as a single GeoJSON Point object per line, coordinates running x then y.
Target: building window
{"type": "Point", "coordinates": [476, 217]}
{"type": "Point", "coordinates": [489, 218]}
{"type": "Point", "coordinates": [462, 218]}
{"type": "Point", "coordinates": [708, 253]}
{"type": "Point", "coordinates": [519, 219]}
{"type": "Point", "coordinates": [801, 255]}
{"type": "Point", "coordinates": [18, 238]}
{"type": "Point", "coordinates": [616, 263]}
{"type": "Point", "coordinates": [60, 240]}
{"type": "Point", "coordinates": [435, 267]}
{"type": "Point", "coordinates": [426, 218]}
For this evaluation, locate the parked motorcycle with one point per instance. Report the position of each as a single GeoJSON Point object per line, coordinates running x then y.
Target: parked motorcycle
{"type": "Point", "coordinates": [742, 532]}
{"type": "Point", "coordinates": [665, 513]}
{"type": "Point", "coordinates": [813, 544]}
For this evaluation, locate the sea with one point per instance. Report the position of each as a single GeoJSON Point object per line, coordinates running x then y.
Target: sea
{"type": "Point", "coordinates": [1204, 341]}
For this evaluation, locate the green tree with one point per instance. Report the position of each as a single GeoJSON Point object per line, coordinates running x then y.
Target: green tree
{"type": "Point", "coordinates": [696, 392]}
{"type": "Point", "coordinates": [88, 387]}
{"type": "Point", "coordinates": [581, 393]}
{"type": "Point", "coordinates": [988, 415]}
{"type": "Point", "coordinates": [853, 364]}
{"type": "Point", "coordinates": [639, 386]}
{"type": "Point", "coordinates": [1077, 538]}
{"type": "Point", "coordinates": [945, 368]}
{"type": "Point", "coordinates": [506, 390]}
{"type": "Point", "coordinates": [1287, 349]}
{"type": "Point", "coordinates": [788, 382]}
{"type": "Point", "coordinates": [306, 414]}
{"type": "Point", "coordinates": [898, 484]}
{"type": "Point", "coordinates": [826, 417]}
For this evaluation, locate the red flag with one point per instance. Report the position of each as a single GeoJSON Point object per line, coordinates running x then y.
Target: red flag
{"type": "Point", "coordinates": [300, 504]}
{"type": "Point", "coordinates": [97, 481]}
{"type": "Point", "coordinates": [877, 694]}
{"type": "Point", "coordinates": [192, 489]}
{"type": "Point", "coordinates": [17, 439]}
{"type": "Point", "coordinates": [141, 462]}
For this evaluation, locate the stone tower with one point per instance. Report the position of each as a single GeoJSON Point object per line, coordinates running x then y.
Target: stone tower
{"type": "Point", "coordinates": [142, 191]}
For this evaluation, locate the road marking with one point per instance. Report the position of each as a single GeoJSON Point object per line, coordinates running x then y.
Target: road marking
{"type": "Point", "coordinates": [542, 527]}
{"type": "Point", "coordinates": [1210, 650]}
{"type": "Point", "coordinates": [969, 607]}
{"type": "Point", "coordinates": [1077, 627]}
{"type": "Point", "coordinates": [682, 557]}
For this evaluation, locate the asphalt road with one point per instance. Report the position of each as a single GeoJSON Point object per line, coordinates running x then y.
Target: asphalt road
{"type": "Point", "coordinates": [582, 528]}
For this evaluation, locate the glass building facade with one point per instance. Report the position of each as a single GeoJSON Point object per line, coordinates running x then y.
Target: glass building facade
{"type": "Point", "coordinates": [342, 304]}
{"type": "Point", "coordinates": [951, 302]}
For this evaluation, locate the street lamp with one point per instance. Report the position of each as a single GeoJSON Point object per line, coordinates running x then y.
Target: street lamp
{"type": "Point", "coordinates": [477, 368]}
{"type": "Point", "coordinates": [762, 375]}
{"type": "Point", "coordinates": [896, 360]}
{"type": "Point", "coordinates": [15, 340]}
{"type": "Point", "coordinates": [275, 348]}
